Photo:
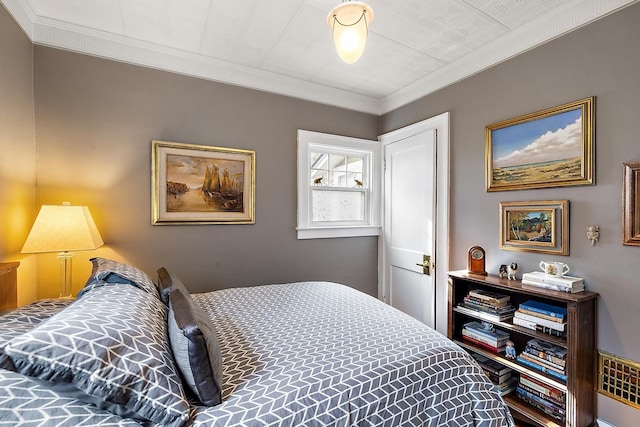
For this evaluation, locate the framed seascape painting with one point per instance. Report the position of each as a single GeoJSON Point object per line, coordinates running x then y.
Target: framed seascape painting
{"type": "Point", "coordinates": [198, 184]}
{"type": "Point", "coordinates": [550, 148]}
{"type": "Point", "coordinates": [540, 226]}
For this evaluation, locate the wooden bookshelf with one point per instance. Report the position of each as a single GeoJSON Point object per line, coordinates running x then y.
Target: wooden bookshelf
{"type": "Point", "coordinates": [580, 343]}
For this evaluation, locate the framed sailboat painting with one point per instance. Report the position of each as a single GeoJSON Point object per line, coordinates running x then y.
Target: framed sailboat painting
{"type": "Point", "coordinates": [199, 184]}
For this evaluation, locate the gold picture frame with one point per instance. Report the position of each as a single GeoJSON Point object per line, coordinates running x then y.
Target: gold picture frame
{"type": "Point", "coordinates": [631, 204]}
{"type": "Point", "coordinates": [535, 226]}
{"type": "Point", "coordinates": [198, 184]}
{"type": "Point", "coordinates": [549, 148]}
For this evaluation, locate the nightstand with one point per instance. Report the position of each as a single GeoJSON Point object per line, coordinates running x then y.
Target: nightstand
{"type": "Point", "coordinates": [8, 285]}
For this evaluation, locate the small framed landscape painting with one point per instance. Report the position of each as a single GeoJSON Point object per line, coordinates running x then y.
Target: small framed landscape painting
{"type": "Point", "coordinates": [550, 148]}
{"type": "Point", "coordinates": [540, 226]}
{"type": "Point", "coordinates": [198, 184]}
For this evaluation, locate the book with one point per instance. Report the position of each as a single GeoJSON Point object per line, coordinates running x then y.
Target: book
{"type": "Point", "coordinates": [541, 395]}
{"type": "Point", "coordinates": [535, 327]}
{"type": "Point", "coordinates": [540, 321]}
{"type": "Point", "coordinates": [541, 368]}
{"type": "Point", "coordinates": [524, 323]}
{"type": "Point", "coordinates": [542, 362]}
{"type": "Point", "coordinates": [539, 403]}
{"type": "Point", "coordinates": [573, 289]}
{"type": "Point", "coordinates": [536, 405]}
{"type": "Point", "coordinates": [544, 390]}
{"type": "Point", "coordinates": [491, 365]}
{"type": "Point", "coordinates": [544, 308]}
{"type": "Point", "coordinates": [492, 297]}
{"type": "Point", "coordinates": [508, 386]}
{"type": "Point", "coordinates": [491, 314]}
{"type": "Point", "coordinates": [543, 316]}
{"type": "Point", "coordinates": [542, 277]}
{"type": "Point", "coordinates": [488, 306]}
{"type": "Point", "coordinates": [483, 345]}
{"type": "Point", "coordinates": [547, 348]}
{"type": "Point", "coordinates": [549, 331]}
{"type": "Point", "coordinates": [542, 401]}
{"type": "Point", "coordinates": [560, 362]}
{"type": "Point", "coordinates": [498, 379]}
{"type": "Point", "coordinates": [483, 338]}
{"type": "Point", "coordinates": [493, 334]}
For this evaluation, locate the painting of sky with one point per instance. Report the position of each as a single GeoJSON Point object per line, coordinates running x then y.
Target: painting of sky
{"type": "Point", "coordinates": [191, 169]}
{"type": "Point", "coordinates": [549, 139]}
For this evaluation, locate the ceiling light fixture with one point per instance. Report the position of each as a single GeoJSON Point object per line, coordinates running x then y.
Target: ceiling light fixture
{"type": "Point", "coordinates": [349, 22]}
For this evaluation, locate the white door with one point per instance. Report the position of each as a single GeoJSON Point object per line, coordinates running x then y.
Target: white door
{"type": "Point", "coordinates": [416, 220]}
{"type": "Point", "coordinates": [409, 226]}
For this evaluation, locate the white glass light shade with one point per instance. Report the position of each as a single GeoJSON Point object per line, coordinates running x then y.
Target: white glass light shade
{"type": "Point", "coordinates": [349, 22]}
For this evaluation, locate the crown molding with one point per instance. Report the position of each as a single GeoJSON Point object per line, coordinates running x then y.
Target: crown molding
{"type": "Point", "coordinates": [111, 46]}
{"type": "Point", "coordinates": [22, 14]}
{"type": "Point", "coordinates": [573, 15]}
{"type": "Point", "coordinates": [47, 32]}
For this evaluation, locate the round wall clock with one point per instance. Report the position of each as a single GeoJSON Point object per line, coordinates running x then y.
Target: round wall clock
{"type": "Point", "coordinates": [476, 261]}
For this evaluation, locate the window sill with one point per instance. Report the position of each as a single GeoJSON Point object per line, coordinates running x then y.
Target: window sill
{"type": "Point", "coordinates": [333, 232]}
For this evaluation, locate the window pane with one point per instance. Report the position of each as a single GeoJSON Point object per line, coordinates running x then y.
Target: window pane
{"type": "Point", "coordinates": [337, 170]}
{"type": "Point", "coordinates": [318, 161]}
{"type": "Point", "coordinates": [337, 178]}
{"type": "Point", "coordinates": [334, 206]}
{"type": "Point", "coordinates": [354, 164]}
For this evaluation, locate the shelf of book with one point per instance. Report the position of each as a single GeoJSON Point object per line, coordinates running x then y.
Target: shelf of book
{"type": "Point", "coordinates": [576, 376]}
{"type": "Point", "coordinates": [511, 327]}
{"type": "Point", "coordinates": [514, 365]}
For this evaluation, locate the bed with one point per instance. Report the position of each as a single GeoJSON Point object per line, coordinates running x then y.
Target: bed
{"type": "Point", "coordinates": [131, 352]}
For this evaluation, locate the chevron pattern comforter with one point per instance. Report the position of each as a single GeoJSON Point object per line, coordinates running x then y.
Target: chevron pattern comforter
{"type": "Point", "coordinates": [300, 354]}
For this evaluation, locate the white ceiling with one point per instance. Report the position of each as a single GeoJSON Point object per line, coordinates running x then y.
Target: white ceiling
{"type": "Point", "coordinates": [414, 48]}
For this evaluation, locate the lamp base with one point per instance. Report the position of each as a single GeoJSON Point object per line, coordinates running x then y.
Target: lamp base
{"type": "Point", "coordinates": [65, 274]}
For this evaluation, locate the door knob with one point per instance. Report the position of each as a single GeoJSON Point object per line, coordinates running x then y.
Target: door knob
{"type": "Point", "coordinates": [426, 265]}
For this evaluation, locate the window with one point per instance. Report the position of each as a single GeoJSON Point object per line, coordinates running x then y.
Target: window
{"type": "Point", "coordinates": [338, 186]}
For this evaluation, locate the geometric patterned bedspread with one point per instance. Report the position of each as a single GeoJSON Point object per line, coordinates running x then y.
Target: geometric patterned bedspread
{"type": "Point", "coordinates": [323, 354]}
{"type": "Point", "coordinates": [308, 354]}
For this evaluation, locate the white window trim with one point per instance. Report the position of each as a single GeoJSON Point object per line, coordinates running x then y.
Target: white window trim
{"type": "Point", "coordinates": [306, 229]}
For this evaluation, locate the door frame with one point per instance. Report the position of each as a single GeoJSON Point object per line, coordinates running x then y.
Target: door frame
{"type": "Point", "coordinates": [440, 124]}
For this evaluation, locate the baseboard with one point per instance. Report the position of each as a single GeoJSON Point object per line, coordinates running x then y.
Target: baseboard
{"type": "Point", "coordinates": [602, 423]}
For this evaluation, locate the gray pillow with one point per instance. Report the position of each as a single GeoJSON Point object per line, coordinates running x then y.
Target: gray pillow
{"type": "Point", "coordinates": [195, 347]}
{"type": "Point", "coordinates": [168, 282]}
{"type": "Point", "coordinates": [112, 345]}
{"type": "Point", "coordinates": [110, 271]}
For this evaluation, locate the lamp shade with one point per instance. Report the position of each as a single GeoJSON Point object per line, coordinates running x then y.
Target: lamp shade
{"type": "Point", "coordinates": [349, 22]}
{"type": "Point", "coordinates": [63, 228]}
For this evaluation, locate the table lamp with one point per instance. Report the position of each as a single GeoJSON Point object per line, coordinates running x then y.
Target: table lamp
{"type": "Point", "coordinates": [63, 229]}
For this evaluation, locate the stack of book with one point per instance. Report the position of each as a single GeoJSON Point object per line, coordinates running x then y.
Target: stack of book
{"type": "Point", "coordinates": [548, 399]}
{"type": "Point", "coordinates": [499, 374]}
{"type": "Point", "coordinates": [542, 317]}
{"type": "Point", "coordinates": [564, 284]}
{"type": "Point", "coordinates": [492, 305]}
{"type": "Point", "coordinates": [484, 335]}
{"type": "Point", "coordinates": [545, 357]}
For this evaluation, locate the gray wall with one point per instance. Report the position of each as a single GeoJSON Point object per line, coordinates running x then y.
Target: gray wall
{"type": "Point", "coordinates": [601, 60]}
{"type": "Point", "coordinates": [95, 121]}
{"type": "Point", "coordinates": [17, 150]}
